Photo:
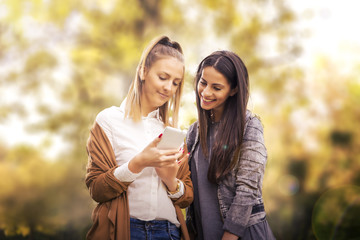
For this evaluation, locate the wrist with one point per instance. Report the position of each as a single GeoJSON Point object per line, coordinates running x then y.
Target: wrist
{"type": "Point", "coordinates": [135, 164]}
{"type": "Point", "coordinates": [174, 186]}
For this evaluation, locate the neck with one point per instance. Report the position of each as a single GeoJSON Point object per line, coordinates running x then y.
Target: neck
{"type": "Point", "coordinates": [146, 108]}
{"type": "Point", "coordinates": [216, 115]}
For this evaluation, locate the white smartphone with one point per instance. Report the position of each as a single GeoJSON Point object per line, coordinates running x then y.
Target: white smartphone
{"type": "Point", "coordinates": [172, 138]}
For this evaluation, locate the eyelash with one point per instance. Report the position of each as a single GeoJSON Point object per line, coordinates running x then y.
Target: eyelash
{"type": "Point", "coordinates": [164, 78]}
{"type": "Point", "coordinates": [204, 84]}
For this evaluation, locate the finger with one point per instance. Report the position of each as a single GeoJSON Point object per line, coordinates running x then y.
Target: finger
{"type": "Point", "coordinates": [170, 158]}
{"type": "Point", "coordinates": [185, 147]}
{"type": "Point", "coordinates": [170, 152]}
{"type": "Point", "coordinates": [167, 164]}
{"type": "Point", "coordinates": [179, 155]}
{"type": "Point", "coordinates": [162, 164]}
{"type": "Point", "coordinates": [155, 142]}
{"type": "Point", "coordinates": [184, 159]}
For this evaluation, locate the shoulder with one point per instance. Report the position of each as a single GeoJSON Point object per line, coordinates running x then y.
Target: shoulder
{"type": "Point", "coordinates": [254, 129]}
{"type": "Point", "coordinates": [194, 126]}
{"type": "Point", "coordinates": [192, 129]}
{"type": "Point", "coordinates": [191, 134]}
{"type": "Point", "coordinates": [108, 113]}
{"type": "Point", "coordinates": [106, 117]}
{"type": "Point", "coordinates": [253, 120]}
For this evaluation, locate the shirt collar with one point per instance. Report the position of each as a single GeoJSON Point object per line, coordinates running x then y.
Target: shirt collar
{"type": "Point", "coordinates": [153, 114]}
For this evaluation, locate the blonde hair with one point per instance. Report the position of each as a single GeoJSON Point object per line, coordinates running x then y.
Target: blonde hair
{"type": "Point", "coordinates": [159, 47]}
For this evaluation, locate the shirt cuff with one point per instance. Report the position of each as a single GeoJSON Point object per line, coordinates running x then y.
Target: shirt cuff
{"type": "Point", "coordinates": [124, 174]}
{"type": "Point", "coordinates": [179, 193]}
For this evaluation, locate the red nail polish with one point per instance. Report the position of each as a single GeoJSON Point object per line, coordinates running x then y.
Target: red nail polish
{"type": "Point", "coordinates": [160, 135]}
{"type": "Point", "coordinates": [183, 150]}
{"type": "Point", "coordinates": [179, 162]}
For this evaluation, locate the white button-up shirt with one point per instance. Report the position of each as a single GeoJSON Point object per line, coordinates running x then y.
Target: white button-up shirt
{"type": "Point", "coordinates": [148, 196]}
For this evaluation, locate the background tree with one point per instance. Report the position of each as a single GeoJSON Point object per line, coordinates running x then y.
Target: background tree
{"type": "Point", "coordinates": [64, 61]}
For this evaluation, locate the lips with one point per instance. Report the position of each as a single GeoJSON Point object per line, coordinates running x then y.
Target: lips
{"type": "Point", "coordinates": [207, 101]}
{"type": "Point", "coordinates": [163, 95]}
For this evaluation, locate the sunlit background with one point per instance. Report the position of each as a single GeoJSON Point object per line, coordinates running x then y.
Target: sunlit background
{"type": "Point", "coordinates": [63, 61]}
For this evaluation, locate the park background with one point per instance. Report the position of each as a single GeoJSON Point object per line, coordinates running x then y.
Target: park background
{"type": "Point", "coordinates": [63, 61]}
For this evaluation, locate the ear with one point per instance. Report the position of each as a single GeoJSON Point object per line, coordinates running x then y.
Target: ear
{"type": "Point", "coordinates": [233, 91]}
{"type": "Point", "coordinates": [142, 73]}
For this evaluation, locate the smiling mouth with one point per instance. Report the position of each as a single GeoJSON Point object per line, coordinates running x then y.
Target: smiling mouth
{"type": "Point", "coordinates": [163, 95]}
{"type": "Point", "coordinates": [207, 100]}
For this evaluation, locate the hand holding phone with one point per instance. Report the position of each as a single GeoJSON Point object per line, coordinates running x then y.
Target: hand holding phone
{"type": "Point", "coordinates": [172, 138]}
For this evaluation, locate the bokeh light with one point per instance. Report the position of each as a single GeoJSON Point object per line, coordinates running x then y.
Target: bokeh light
{"type": "Point", "coordinates": [336, 214]}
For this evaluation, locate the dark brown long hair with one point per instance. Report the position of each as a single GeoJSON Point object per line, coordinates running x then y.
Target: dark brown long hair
{"type": "Point", "coordinates": [231, 127]}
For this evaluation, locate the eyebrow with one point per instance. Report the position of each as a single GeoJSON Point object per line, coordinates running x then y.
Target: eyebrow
{"type": "Point", "coordinates": [168, 75]}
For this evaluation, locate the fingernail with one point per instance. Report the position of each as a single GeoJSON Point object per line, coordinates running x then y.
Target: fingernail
{"type": "Point", "coordinates": [183, 150]}
{"type": "Point", "coordinates": [160, 135]}
{"type": "Point", "coordinates": [179, 162]}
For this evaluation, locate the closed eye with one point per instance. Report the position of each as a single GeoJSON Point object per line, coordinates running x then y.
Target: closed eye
{"type": "Point", "coordinates": [203, 83]}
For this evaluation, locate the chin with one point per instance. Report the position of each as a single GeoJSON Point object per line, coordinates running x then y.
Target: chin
{"type": "Point", "coordinates": [206, 107]}
{"type": "Point", "coordinates": [161, 103]}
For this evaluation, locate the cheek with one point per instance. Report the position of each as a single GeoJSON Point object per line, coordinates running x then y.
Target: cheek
{"type": "Point", "coordinates": [148, 87]}
{"type": "Point", "coordinates": [223, 98]}
{"type": "Point", "coordinates": [174, 89]}
{"type": "Point", "coordinates": [199, 90]}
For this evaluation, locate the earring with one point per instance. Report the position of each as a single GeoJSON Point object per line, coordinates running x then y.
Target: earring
{"type": "Point", "coordinates": [212, 117]}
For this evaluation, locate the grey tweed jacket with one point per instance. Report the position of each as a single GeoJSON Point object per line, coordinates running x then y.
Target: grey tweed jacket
{"type": "Point", "coordinates": [240, 192]}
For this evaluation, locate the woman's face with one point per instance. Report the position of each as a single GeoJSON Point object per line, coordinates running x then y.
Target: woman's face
{"type": "Point", "coordinates": [161, 82]}
{"type": "Point", "coordinates": [213, 89]}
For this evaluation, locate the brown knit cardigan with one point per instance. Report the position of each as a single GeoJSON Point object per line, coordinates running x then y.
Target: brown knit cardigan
{"type": "Point", "coordinates": [111, 218]}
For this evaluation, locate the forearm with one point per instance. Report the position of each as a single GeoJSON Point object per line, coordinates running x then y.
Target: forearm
{"type": "Point", "coordinates": [237, 218]}
{"type": "Point", "coordinates": [184, 175]}
{"type": "Point", "coordinates": [125, 174]}
{"type": "Point", "coordinates": [171, 184]}
{"type": "Point", "coordinates": [103, 186]}
{"type": "Point", "coordinates": [100, 179]}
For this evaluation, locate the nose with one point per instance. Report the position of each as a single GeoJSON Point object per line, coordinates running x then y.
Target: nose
{"type": "Point", "coordinates": [168, 85]}
{"type": "Point", "coordinates": [206, 92]}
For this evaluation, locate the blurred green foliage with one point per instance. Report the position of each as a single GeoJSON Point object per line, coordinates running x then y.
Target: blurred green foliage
{"type": "Point", "coordinates": [67, 60]}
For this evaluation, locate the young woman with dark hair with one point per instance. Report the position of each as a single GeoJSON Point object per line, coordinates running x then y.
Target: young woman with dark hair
{"type": "Point", "coordinates": [138, 187]}
{"type": "Point", "coordinates": [227, 155]}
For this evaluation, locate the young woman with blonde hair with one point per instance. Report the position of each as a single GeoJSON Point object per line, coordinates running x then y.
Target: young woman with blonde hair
{"type": "Point", "coordinates": [140, 188]}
